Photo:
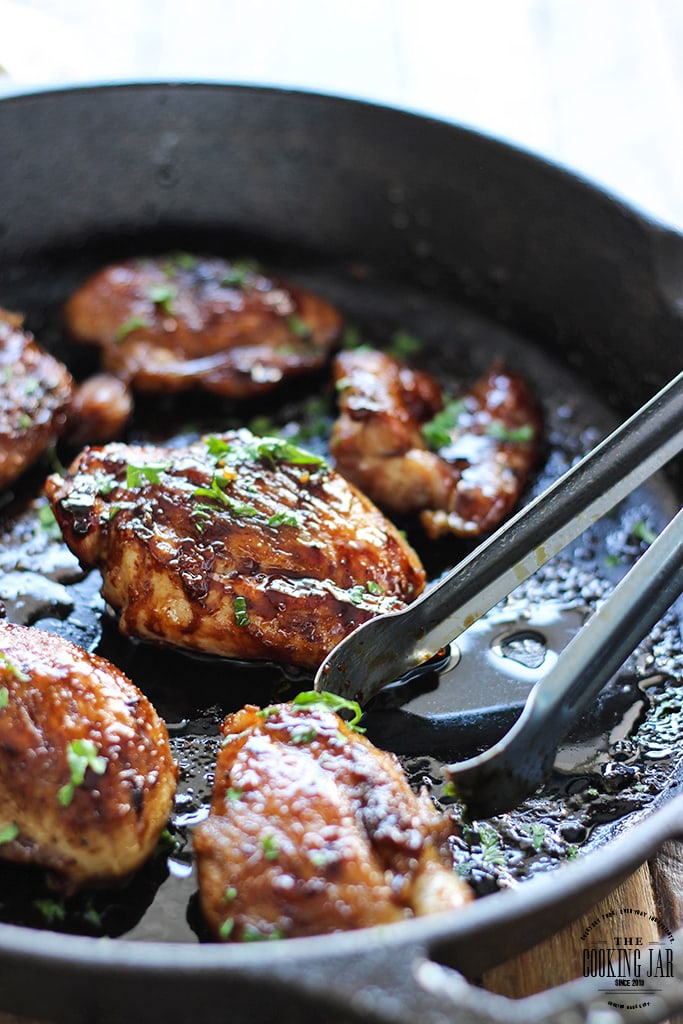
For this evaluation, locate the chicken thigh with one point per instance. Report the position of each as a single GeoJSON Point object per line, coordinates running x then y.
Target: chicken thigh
{"type": "Point", "coordinates": [460, 465]}
{"type": "Point", "coordinates": [234, 545]}
{"type": "Point", "coordinates": [35, 394]}
{"type": "Point", "coordinates": [86, 775]}
{"type": "Point", "coordinates": [176, 322]}
{"type": "Point", "coordinates": [312, 829]}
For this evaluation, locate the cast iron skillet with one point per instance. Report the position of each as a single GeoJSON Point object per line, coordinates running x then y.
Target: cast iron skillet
{"type": "Point", "coordinates": [443, 212]}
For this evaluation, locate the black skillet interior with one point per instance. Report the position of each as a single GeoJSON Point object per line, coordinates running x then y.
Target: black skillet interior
{"type": "Point", "coordinates": [473, 249]}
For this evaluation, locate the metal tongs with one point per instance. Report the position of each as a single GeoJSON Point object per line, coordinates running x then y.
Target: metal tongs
{"type": "Point", "coordinates": [387, 647]}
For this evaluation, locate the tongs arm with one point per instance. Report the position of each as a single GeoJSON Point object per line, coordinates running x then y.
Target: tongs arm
{"type": "Point", "coordinates": [502, 776]}
{"type": "Point", "coordinates": [385, 648]}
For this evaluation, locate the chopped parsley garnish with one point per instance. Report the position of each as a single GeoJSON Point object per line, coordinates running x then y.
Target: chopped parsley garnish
{"type": "Point", "coordinates": [404, 344]}
{"type": "Point", "coordinates": [490, 845]}
{"type": "Point", "coordinates": [81, 754]}
{"type": "Point", "coordinates": [303, 734]}
{"type": "Point", "coordinates": [52, 910]}
{"type": "Point", "coordinates": [151, 471]}
{"type": "Point", "coordinates": [374, 588]}
{"type": "Point", "coordinates": [538, 836]}
{"type": "Point", "coordinates": [437, 432]}
{"type": "Point", "coordinates": [277, 449]}
{"type": "Point", "coordinates": [162, 295]}
{"type": "Point", "coordinates": [217, 446]}
{"type": "Point", "coordinates": [643, 532]}
{"type": "Point", "coordinates": [233, 795]}
{"type": "Point", "coordinates": [239, 272]}
{"type": "Point", "coordinates": [179, 261]}
{"type": "Point", "coordinates": [240, 610]}
{"type": "Point", "coordinates": [8, 832]}
{"type": "Point", "coordinates": [4, 697]}
{"type": "Point", "coordinates": [497, 430]}
{"type": "Point", "coordinates": [298, 326]}
{"type": "Point", "coordinates": [270, 847]}
{"type": "Point", "coordinates": [331, 702]}
{"type": "Point", "coordinates": [47, 522]}
{"type": "Point", "coordinates": [24, 421]}
{"type": "Point", "coordinates": [230, 894]}
{"type": "Point", "coordinates": [351, 337]}
{"type": "Point", "coordinates": [226, 928]}
{"type": "Point", "coordinates": [217, 493]}
{"type": "Point", "coordinates": [283, 519]}
{"type": "Point", "coordinates": [14, 669]}
{"type": "Point", "coordinates": [133, 323]}
{"type": "Point", "coordinates": [357, 593]}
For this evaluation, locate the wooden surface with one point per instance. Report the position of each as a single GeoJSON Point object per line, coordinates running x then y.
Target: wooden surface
{"type": "Point", "coordinates": [594, 84]}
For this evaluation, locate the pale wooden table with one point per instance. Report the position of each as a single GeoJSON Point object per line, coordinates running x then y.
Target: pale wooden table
{"type": "Point", "coordinates": [596, 85]}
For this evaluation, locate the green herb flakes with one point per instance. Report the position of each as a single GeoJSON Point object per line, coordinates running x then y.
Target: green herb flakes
{"type": "Point", "coordinates": [233, 795]}
{"type": "Point", "coordinates": [238, 273]}
{"type": "Point", "coordinates": [438, 432]}
{"type": "Point", "coordinates": [331, 702]}
{"type": "Point", "coordinates": [403, 345]}
{"type": "Point", "coordinates": [226, 928]}
{"type": "Point", "coordinates": [162, 295]}
{"type": "Point", "coordinates": [643, 532]}
{"type": "Point", "coordinates": [151, 472]}
{"type": "Point", "coordinates": [52, 910]}
{"type": "Point", "coordinates": [47, 522]}
{"type": "Point", "coordinates": [14, 669]}
{"type": "Point", "coordinates": [8, 832]}
{"type": "Point", "coordinates": [4, 697]}
{"type": "Point", "coordinates": [298, 326]}
{"type": "Point", "coordinates": [269, 845]}
{"type": "Point", "coordinates": [302, 734]}
{"type": "Point", "coordinates": [230, 894]}
{"type": "Point", "coordinates": [283, 519]}
{"type": "Point", "coordinates": [516, 435]}
{"type": "Point", "coordinates": [81, 754]}
{"type": "Point", "coordinates": [240, 610]}
{"type": "Point", "coordinates": [133, 323]}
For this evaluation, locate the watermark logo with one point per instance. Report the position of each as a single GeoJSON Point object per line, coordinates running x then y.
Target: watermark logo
{"type": "Point", "coordinates": [618, 949]}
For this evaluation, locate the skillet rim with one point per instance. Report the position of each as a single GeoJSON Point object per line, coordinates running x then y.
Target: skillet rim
{"type": "Point", "coordinates": [653, 826]}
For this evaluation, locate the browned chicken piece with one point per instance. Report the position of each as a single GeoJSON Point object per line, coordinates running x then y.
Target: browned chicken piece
{"type": "Point", "coordinates": [86, 775]}
{"type": "Point", "coordinates": [177, 322]}
{"type": "Point", "coordinates": [461, 465]}
{"type": "Point", "coordinates": [35, 393]}
{"type": "Point", "coordinates": [235, 545]}
{"type": "Point", "coordinates": [100, 410]}
{"type": "Point", "coordinates": [312, 829]}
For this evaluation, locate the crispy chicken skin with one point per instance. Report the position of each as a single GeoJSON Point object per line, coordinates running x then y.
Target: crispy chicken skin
{"type": "Point", "coordinates": [482, 447]}
{"type": "Point", "coordinates": [35, 394]}
{"type": "Point", "coordinates": [234, 545]}
{"type": "Point", "coordinates": [59, 704]}
{"type": "Point", "coordinates": [176, 322]}
{"type": "Point", "coordinates": [312, 829]}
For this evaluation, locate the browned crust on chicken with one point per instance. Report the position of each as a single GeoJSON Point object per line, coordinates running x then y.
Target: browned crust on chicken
{"type": "Point", "coordinates": [35, 393]}
{"type": "Point", "coordinates": [471, 476]}
{"type": "Point", "coordinates": [57, 701]}
{"type": "Point", "coordinates": [313, 830]}
{"type": "Point", "coordinates": [234, 545]}
{"type": "Point", "coordinates": [177, 322]}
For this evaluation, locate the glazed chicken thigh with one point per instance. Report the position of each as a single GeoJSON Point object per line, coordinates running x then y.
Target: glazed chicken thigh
{"type": "Point", "coordinates": [86, 775]}
{"type": "Point", "coordinates": [35, 394]}
{"type": "Point", "coordinates": [234, 545]}
{"type": "Point", "coordinates": [312, 830]}
{"type": "Point", "coordinates": [176, 322]}
{"type": "Point", "coordinates": [460, 465]}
